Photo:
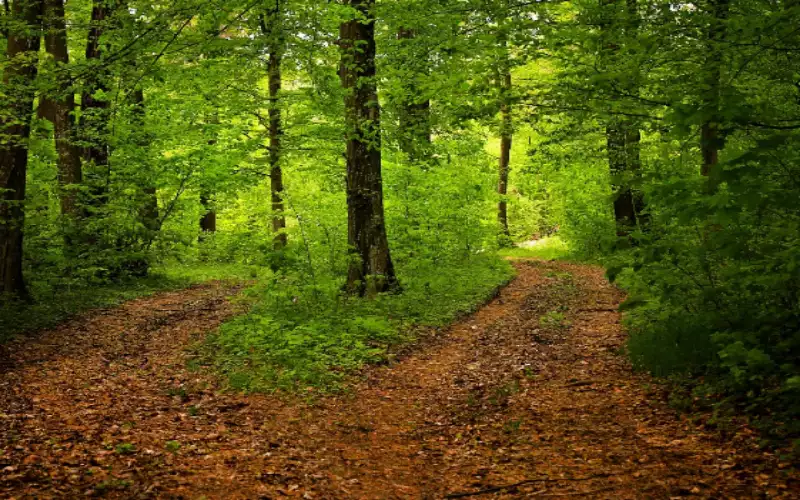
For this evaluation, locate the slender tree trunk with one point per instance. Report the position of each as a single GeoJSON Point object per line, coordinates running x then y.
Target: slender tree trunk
{"type": "Point", "coordinates": [415, 122]}
{"type": "Point", "coordinates": [23, 44]}
{"type": "Point", "coordinates": [506, 135]}
{"type": "Point", "coordinates": [622, 140]}
{"type": "Point", "coordinates": [149, 208]}
{"type": "Point", "coordinates": [370, 268]}
{"type": "Point", "coordinates": [60, 109]}
{"type": "Point", "coordinates": [273, 29]}
{"type": "Point", "coordinates": [6, 15]}
{"type": "Point", "coordinates": [139, 264]}
{"type": "Point", "coordinates": [709, 130]}
{"type": "Point", "coordinates": [95, 113]}
{"type": "Point", "coordinates": [623, 137]}
{"type": "Point", "coordinates": [208, 220]}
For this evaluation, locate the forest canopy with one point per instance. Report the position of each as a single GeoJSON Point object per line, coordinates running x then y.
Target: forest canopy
{"type": "Point", "coordinates": [364, 161]}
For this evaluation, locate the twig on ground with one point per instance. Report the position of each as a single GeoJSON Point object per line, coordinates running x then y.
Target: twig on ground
{"type": "Point", "coordinates": [580, 383]}
{"type": "Point", "coordinates": [497, 489]}
{"type": "Point", "coordinates": [578, 493]}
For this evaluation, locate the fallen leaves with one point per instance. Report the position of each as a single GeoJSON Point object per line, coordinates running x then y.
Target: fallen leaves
{"type": "Point", "coordinates": [499, 405]}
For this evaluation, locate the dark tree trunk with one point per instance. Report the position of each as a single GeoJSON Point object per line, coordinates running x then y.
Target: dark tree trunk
{"type": "Point", "coordinates": [709, 130]}
{"type": "Point", "coordinates": [6, 15]}
{"type": "Point", "coordinates": [370, 268]}
{"type": "Point", "coordinates": [60, 109]}
{"type": "Point", "coordinates": [18, 82]}
{"type": "Point", "coordinates": [273, 30]}
{"type": "Point", "coordinates": [208, 220]}
{"type": "Point", "coordinates": [95, 113]}
{"type": "Point", "coordinates": [623, 143]}
{"type": "Point", "coordinates": [623, 137]}
{"type": "Point", "coordinates": [506, 135]}
{"type": "Point", "coordinates": [415, 121]}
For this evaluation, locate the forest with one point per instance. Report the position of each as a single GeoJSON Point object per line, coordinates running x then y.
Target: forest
{"type": "Point", "coordinates": [288, 198]}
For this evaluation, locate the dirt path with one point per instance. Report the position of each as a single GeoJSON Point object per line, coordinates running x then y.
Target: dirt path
{"type": "Point", "coordinates": [528, 397]}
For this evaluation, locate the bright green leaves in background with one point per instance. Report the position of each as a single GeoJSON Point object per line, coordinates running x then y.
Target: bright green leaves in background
{"type": "Point", "coordinates": [712, 265]}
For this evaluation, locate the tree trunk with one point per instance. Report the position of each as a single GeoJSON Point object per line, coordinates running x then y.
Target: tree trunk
{"type": "Point", "coordinates": [506, 134]}
{"type": "Point", "coordinates": [208, 221]}
{"type": "Point", "coordinates": [18, 82]}
{"type": "Point", "coordinates": [709, 130]}
{"type": "Point", "coordinates": [60, 110]}
{"type": "Point", "coordinates": [623, 137]}
{"type": "Point", "coordinates": [148, 211]}
{"type": "Point", "coordinates": [415, 122]}
{"type": "Point", "coordinates": [273, 29]}
{"type": "Point", "coordinates": [370, 268]}
{"type": "Point", "coordinates": [95, 113]}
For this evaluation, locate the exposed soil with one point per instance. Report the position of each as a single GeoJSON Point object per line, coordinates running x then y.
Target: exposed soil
{"type": "Point", "coordinates": [528, 397]}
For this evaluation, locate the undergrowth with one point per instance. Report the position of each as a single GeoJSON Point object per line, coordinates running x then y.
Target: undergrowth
{"type": "Point", "coordinates": [548, 248]}
{"type": "Point", "coordinates": [56, 300]}
{"type": "Point", "coordinates": [302, 334]}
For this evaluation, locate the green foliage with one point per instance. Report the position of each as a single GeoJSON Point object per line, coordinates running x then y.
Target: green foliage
{"type": "Point", "coordinates": [548, 248]}
{"type": "Point", "coordinates": [714, 286]}
{"type": "Point", "coordinates": [59, 298]}
{"type": "Point", "coordinates": [125, 449]}
{"type": "Point", "coordinates": [302, 334]}
{"type": "Point", "coordinates": [554, 320]}
{"type": "Point", "coordinates": [172, 446]}
{"type": "Point", "coordinates": [711, 270]}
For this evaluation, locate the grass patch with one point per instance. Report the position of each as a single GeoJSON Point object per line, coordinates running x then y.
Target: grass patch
{"type": "Point", "coordinates": [548, 248]}
{"type": "Point", "coordinates": [58, 301]}
{"type": "Point", "coordinates": [301, 335]}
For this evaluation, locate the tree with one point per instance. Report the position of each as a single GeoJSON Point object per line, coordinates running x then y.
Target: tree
{"type": "Point", "coordinates": [717, 11]}
{"type": "Point", "coordinates": [19, 81]}
{"type": "Point", "coordinates": [60, 109]}
{"type": "Point", "coordinates": [272, 28]}
{"type": "Point", "coordinates": [208, 216]}
{"type": "Point", "coordinates": [95, 104]}
{"type": "Point", "coordinates": [370, 270]}
{"type": "Point", "coordinates": [415, 106]}
{"type": "Point", "coordinates": [622, 134]}
{"type": "Point", "coordinates": [149, 206]}
{"type": "Point", "coordinates": [506, 135]}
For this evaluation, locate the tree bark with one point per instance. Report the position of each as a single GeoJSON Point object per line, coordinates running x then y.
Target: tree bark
{"type": "Point", "coordinates": [709, 130]}
{"type": "Point", "coordinates": [208, 220]}
{"type": "Point", "coordinates": [371, 270]}
{"type": "Point", "coordinates": [149, 208]}
{"type": "Point", "coordinates": [272, 28]}
{"type": "Point", "coordinates": [623, 137]}
{"type": "Point", "coordinates": [415, 122]}
{"type": "Point", "coordinates": [623, 144]}
{"type": "Point", "coordinates": [506, 135]}
{"type": "Point", "coordinates": [60, 109]}
{"type": "Point", "coordinates": [24, 39]}
{"type": "Point", "coordinates": [95, 113]}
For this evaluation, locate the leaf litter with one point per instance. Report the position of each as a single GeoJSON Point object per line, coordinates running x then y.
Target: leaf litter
{"type": "Point", "coordinates": [528, 397]}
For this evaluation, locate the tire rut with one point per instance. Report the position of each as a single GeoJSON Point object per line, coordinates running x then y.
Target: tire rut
{"type": "Point", "coordinates": [529, 396]}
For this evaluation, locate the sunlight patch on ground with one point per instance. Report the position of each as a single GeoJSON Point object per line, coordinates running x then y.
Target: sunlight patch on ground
{"type": "Point", "coordinates": [548, 248]}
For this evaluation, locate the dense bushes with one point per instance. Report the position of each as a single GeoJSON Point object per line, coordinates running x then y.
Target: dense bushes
{"type": "Point", "coordinates": [715, 282]}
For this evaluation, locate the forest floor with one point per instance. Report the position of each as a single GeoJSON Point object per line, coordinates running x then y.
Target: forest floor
{"type": "Point", "coordinates": [529, 397]}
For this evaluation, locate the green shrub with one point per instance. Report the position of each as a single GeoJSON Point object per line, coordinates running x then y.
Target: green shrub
{"type": "Point", "coordinates": [301, 333]}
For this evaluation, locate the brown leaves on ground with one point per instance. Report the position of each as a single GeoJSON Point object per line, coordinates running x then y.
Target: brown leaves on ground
{"type": "Point", "coordinates": [528, 397]}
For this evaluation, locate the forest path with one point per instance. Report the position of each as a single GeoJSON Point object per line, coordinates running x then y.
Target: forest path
{"type": "Point", "coordinates": [527, 397]}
